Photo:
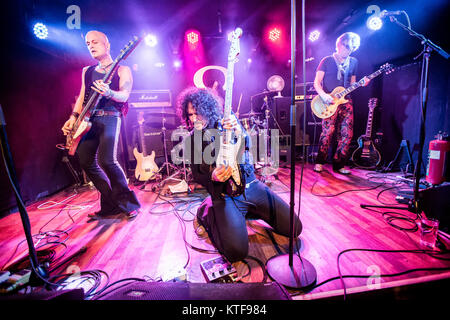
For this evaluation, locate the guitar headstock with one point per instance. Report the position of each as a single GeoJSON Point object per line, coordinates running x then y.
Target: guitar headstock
{"type": "Point", "coordinates": [387, 68]}
{"type": "Point", "coordinates": [233, 37]}
{"type": "Point", "coordinates": [373, 103]}
{"type": "Point", "coordinates": [126, 51]}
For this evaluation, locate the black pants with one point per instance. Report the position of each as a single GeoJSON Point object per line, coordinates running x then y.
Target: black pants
{"type": "Point", "coordinates": [225, 219]}
{"type": "Point", "coordinates": [98, 157]}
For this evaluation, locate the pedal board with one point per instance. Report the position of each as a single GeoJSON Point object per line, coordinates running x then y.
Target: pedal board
{"type": "Point", "coordinates": [219, 270]}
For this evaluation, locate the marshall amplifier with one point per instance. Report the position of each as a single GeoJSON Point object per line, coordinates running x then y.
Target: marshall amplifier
{"type": "Point", "coordinates": [310, 91]}
{"type": "Point", "coordinates": [150, 98]}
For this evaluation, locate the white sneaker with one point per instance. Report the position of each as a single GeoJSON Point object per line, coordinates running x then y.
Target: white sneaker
{"type": "Point", "coordinates": [318, 167]}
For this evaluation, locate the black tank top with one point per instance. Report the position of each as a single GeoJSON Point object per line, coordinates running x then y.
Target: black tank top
{"type": "Point", "coordinates": [104, 104]}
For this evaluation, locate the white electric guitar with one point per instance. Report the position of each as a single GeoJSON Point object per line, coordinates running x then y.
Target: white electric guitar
{"type": "Point", "coordinates": [230, 144]}
{"type": "Point", "coordinates": [146, 167]}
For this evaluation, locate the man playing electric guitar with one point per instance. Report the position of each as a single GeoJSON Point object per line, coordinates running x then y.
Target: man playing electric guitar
{"type": "Point", "coordinates": [101, 141]}
{"type": "Point", "coordinates": [338, 69]}
{"type": "Point", "coordinates": [224, 216]}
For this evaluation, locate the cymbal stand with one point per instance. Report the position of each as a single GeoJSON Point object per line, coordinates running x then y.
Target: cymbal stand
{"type": "Point", "coordinates": [266, 169]}
{"type": "Point", "coordinates": [167, 164]}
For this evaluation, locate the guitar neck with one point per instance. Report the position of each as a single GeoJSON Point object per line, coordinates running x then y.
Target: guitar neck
{"type": "Point", "coordinates": [358, 84]}
{"type": "Point", "coordinates": [229, 90]}
{"type": "Point", "coordinates": [95, 97]}
{"type": "Point", "coordinates": [369, 123]}
{"type": "Point", "coordinates": [141, 137]}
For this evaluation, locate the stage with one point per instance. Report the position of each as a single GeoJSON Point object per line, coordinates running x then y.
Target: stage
{"type": "Point", "coordinates": [161, 244]}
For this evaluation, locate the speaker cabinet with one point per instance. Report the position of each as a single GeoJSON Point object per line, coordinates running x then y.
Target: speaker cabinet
{"type": "Point", "coordinates": [151, 119]}
{"type": "Point", "coordinates": [281, 109]}
{"type": "Point", "coordinates": [199, 291]}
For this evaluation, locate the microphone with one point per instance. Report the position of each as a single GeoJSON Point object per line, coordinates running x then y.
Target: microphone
{"type": "Point", "coordinates": [385, 13]}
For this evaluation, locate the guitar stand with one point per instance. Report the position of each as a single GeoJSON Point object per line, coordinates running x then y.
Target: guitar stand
{"type": "Point", "coordinates": [403, 145]}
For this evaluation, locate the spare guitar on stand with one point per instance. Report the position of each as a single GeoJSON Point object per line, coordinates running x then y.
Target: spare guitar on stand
{"type": "Point", "coordinates": [82, 125]}
{"type": "Point", "coordinates": [146, 167]}
{"type": "Point", "coordinates": [367, 155]}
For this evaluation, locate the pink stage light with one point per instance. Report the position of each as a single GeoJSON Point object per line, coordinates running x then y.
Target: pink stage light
{"type": "Point", "coordinates": [274, 34]}
{"type": "Point", "coordinates": [193, 37]}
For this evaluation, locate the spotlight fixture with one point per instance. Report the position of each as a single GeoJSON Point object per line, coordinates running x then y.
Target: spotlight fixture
{"type": "Point", "coordinates": [193, 37]}
{"type": "Point", "coordinates": [151, 40]}
{"type": "Point", "coordinates": [314, 35]}
{"type": "Point", "coordinates": [40, 31]}
{"type": "Point", "coordinates": [274, 34]}
{"type": "Point", "coordinates": [374, 23]}
{"type": "Point", "coordinates": [177, 64]}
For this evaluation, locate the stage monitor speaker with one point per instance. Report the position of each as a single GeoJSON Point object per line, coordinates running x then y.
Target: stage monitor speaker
{"type": "Point", "coordinates": [281, 108]}
{"type": "Point", "coordinates": [198, 291]}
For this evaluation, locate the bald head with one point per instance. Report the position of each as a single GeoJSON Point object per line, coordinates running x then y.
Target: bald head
{"type": "Point", "coordinates": [97, 43]}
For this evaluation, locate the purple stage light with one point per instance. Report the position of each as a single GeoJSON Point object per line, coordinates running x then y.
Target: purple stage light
{"type": "Point", "coordinates": [151, 40]}
{"type": "Point", "coordinates": [314, 35]}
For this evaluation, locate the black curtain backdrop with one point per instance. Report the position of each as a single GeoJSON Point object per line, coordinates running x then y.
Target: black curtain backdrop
{"type": "Point", "coordinates": [36, 98]}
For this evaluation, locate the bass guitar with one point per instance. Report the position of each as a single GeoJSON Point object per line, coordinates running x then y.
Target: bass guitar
{"type": "Point", "coordinates": [146, 167]}
{"type": "Point", "coordinates": [230, 145]}
{"type": "Point", "coordinates": [82, 125]}
{"type": "Point", "coordinates": [325, 110]}
{"type": "Point", "coordinates": [367, 155]}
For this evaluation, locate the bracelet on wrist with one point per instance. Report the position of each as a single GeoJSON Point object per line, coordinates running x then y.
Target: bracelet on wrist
{"type": "Point", "coordinates": [75, 114]}
{"type": "Point", "coordinates": [110, 94]}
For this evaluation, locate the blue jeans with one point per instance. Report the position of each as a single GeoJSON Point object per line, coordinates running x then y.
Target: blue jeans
{"type": "Point", "coordinates": [225, 219]}
{"type": "Point", "coordinates": [97, 152]}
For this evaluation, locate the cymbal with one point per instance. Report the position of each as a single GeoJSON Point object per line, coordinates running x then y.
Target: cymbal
{"type": "Point", "coordinates": [249, 114]}
{"type": "Point", "coordinates": [265, 93]}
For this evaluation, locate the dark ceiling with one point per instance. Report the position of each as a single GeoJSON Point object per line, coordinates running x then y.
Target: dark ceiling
{"type": "Point", "coordinates": [170, 18]}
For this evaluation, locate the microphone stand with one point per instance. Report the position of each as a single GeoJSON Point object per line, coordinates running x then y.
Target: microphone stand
{"type": "Point", "coordinates": [428, 47]}
{"type": "Point", "coordinates": [39, 273]}
{"type": "Point", "coordinates": [289, 270]}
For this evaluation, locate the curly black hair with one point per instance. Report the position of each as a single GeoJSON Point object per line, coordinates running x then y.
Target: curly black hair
{"type": "Point", "coordinates": [206, 103]}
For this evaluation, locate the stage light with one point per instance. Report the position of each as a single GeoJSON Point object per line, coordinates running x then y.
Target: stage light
{"type": "Point", "coordinates": [40, 31]}
{"type": "Point", "coordinates": [374, 23]}
{"type": "Point", "coordinates": [274, 34]}
{"type": "Point", "coordinates": [177, 64]}
{"type": "Point", "coordinates": [159, 64]}
{"type": "Point", "coordinates": [193, 37]}
{"type": "Point", "coordinates": [275, 83]}
{"type": "Point", "coordinates": [249, 60]}
{"type": "Point", "coordinates": [151, 40]}
{"type": "Point", "coordinates": [313, 36]}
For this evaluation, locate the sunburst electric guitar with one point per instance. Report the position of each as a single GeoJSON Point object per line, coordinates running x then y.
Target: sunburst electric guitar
{"type": "Point", "coordinates": [83, 124]}
{"type": "Point", "coordinates": [146, 167]}
{"type": "Point", "coordinates": [367, 155]}
{"type": "Point", "coordinates": [230, 144]}
{"type": "Point", "coordinates": [325, 110]}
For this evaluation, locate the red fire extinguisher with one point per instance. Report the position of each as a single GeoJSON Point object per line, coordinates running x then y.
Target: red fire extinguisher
{"type": "Point", "coordinates": [437, 158]}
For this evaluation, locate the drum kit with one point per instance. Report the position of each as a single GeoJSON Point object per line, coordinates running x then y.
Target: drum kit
{"type": "Point", "coordinates": [257, 126]}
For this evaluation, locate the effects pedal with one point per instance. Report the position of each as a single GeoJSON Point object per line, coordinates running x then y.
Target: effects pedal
{"type": "Point", "coordinates": [218, 269]}
{"type": "Point", "coordinates": [15, 281]}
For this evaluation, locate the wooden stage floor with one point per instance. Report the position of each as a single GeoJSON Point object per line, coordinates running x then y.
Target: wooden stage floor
{"type": "Point", "coordinates": [161, 241]}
